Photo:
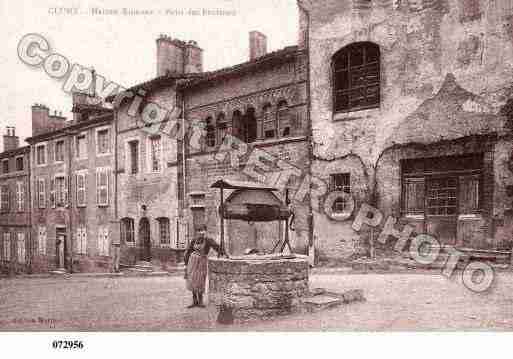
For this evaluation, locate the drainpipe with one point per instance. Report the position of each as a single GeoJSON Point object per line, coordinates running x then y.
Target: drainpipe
{"type": "Point", "coordinates": [29, 196]}
{"type": "Point", "coordinates": [310, 139]}
{"type": "Point", "coordinates": [117, 232]}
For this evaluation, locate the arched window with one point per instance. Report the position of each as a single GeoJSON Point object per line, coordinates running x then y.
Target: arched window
{"type": "Point", "coordinates": [222, 127]}
{"type": "Point", "coordinates": [250, 125]}
{"type": "Point", "coordinates": [268, 121]}
{"type": "Point", "coordinates": [127, 230]}
{"type": "Point", "coordinates": [356, 77]}
{"type": "Point", "coordinates": [210, 138]}
{"type": "Point", "coordinates": [283, 115]}
{"type": "Point", "coordinates": [238, 125]}
{"type": "Point", "coordinates": [164, 230]}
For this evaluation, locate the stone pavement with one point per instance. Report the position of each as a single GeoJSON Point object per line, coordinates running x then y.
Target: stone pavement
{"type": "Point", "coordinates": [394, 302]}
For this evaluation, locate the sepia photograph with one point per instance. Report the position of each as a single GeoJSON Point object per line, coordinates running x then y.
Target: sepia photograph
{"type": "Point", "coordinates": [281, 166]}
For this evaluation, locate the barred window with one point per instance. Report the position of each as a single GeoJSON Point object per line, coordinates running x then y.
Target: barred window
{"type": "Point", "coordinates": [340, 182]}
{"type": "Point", "coordinates": [4, 198]}
{"type": "Point", "coordinates": [356, 77]}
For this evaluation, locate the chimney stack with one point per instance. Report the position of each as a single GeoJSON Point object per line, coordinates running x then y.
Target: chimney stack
{"type": "Point", "coordinates": [193, 58]}
{"type": "Point", "coordinates": [11, 141]}
{"type": "Point", "coordinates": [178, 57]}
{"type": "Point", "coordinates": [257, 45]}
{"type": "Point", "coordinates": [43, 122]}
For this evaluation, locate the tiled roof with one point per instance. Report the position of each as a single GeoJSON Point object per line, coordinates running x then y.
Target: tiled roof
{"type": "Point", "coordinates": [189, 80]}
{"type": "Point", "coordinates": [72, 126]}
{"type": "Point", "coordinates": [289, 52]}
{"type": "Point", "coordinates": [15, 151]}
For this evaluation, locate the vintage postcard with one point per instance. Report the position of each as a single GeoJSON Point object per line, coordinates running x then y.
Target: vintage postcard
{"type": "Point", "coordinates": [280, 165]}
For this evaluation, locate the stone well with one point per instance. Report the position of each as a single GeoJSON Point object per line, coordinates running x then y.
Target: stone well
{"type": "Point", "coordinates": [256, 286]}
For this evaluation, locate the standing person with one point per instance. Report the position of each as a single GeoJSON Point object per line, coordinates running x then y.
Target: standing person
{"type": "Point", "coordinates": [196, 264]}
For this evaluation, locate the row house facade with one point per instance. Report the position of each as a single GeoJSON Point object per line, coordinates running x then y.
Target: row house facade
{"type": "Point", "coordinates": [15, 226]}
{"type": "Point", "coordinates": [72, 188]}
{"type": "Point", "coordinates": [411, 114]}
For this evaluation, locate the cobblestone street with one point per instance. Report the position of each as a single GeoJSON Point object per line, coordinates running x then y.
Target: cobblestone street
{"type": "Point", "coordinates": [394, 302]}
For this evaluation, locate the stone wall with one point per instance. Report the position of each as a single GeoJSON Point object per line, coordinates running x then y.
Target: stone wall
{"type": "Point", "coordinates": [434, 56]}
{"type": "Point", "coordinates": [252, 288]}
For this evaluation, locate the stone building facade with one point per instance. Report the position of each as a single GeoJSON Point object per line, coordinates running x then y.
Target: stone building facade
{"type": "Point", "coordinates": [164, 181]}
{"type": "Point", "coordinates": [15, 233]}
{"type": "Point", "coordinates": [411, 113]}
{"type": "Point", "coordinates": [72, 188]}
{"type": "Point", "coordinates": [254, 123]}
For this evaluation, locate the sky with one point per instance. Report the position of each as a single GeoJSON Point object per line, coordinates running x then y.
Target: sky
{"type": "Point", "coordinates": [122, 47]}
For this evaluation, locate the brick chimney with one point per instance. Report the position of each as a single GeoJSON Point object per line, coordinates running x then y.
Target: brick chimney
{"type": "Point", "coordinates": [11, 141]}
{"type": "Point", "coordinates": [43, 122]}
{"type": "Point", "coordinates": [193, 58]}
{"type": "Point", "coordinates": [257, 45]}
{"type": "Point", "coordinates": [170, 55]}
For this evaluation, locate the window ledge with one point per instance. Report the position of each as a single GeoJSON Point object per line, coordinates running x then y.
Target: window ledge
{"type": "Point", "coordinates": [357, 114]}
{"type": "Point", "coordinates": [469, 217]}
{"type": "Point", "coordinates": [414, 216]}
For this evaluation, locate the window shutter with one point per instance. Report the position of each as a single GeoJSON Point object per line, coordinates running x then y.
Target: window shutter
{"type": "Point", "coordinates": [53, 198]}
{"type": "Point", "coordinates": [84, 240]}
{"type": "Point", "coordinates": [65, 194]}
{"type": "Point", "coordinates": [98, 188]}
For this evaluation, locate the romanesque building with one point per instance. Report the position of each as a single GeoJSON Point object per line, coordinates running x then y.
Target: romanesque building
{"type": "Point", "coordinates": [15, 232]}
{"type": "Point", "coordinates": [411, 110]}
{"type": "Point", "coordinates": [232, 117]}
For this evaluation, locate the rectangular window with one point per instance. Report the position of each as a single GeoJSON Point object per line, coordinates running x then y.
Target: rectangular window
{"type": "Point", "coordinates": [59, 151]}
{"type": "Point", "coordinates": [4, 198]}
{"type": "Point", "coordinates": [19, 164]}
{"type": "Point", "coordinates": [103, 241]}
{"type": "Point", "coordinates": [61, 191]}
{"type": "Point", "coordinates": [102, 187]}
{"type": "Point", "coordinates": [103, 142]}
{"type": "Point", "coordinates": [441, 196]}
{"type": "Point", "coordinates": [7, 246]}
{"type": "Point", "coordinates": [81, 189]}
{"type": "Point", "coordinates": [155, 154]}
{"type": "Point", "coordinates": [20, 196]}
{"type": "Point", "coordinates": [81, 147]}
{"type": "Point", "coordinates": [340, 182]}
{"type": "Point", "coordinates": [442, 186]}
{"type": "Point", "coordinates": [21, 248]}
{"type": "Point", "coordinates": [164, 231]}
{"type": "Point", "coordinates": [5, 165]}
{"type": "Point", "coordinates": [41, 240]}
{"type": "Point", "coordinates": [41, 155]}
{"type": "Point", "coordinates": [127, 231]}
{"type": "Point", "coordinates": [133, 148]}
{"type": "Point", "coordinates": [81, 243]}
{"type": "Point", "coordinates": [41, 193]}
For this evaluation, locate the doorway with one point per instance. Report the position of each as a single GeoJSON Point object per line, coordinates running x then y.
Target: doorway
{"type": "Point", "coordinates": [60, 248]}
{"type": "Point", "coordinates": [145, 239]}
